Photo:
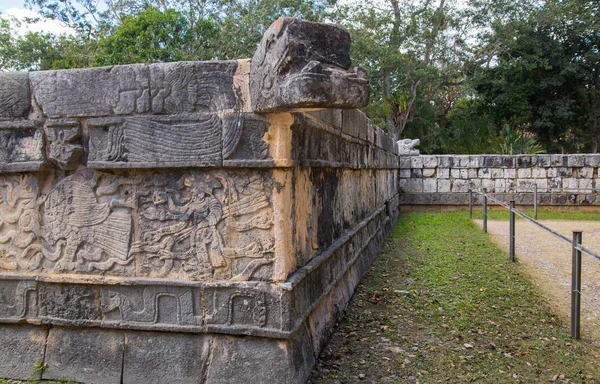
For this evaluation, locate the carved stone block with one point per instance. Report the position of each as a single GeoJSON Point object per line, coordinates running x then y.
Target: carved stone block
{"type": "Point", "coordinates": [192, 86]}
{"type": "Point", "coordinates": [171, 357]}
{"type": "Point", "coordinates": [151, 305]}
{"type": "Point", "coordinates": [22, 144]}
{"type": "Point", "coordinates": [18, 300]}
{"type": "Point", "coordinates": [14, 95]}
{"type": "Point", "coordinates": [86, 224]}
{"type": "Point", "coordinates": [21, 348]}
{"type": "Point", "coordinates": [155, 141]}
{"type": "Point", "coordinates": [300, 64]}
{"type": "Point", "coordinates": [192, 225]}
{"type": "Point", "coordinates": [118, 90]}
{"type": "Point", "coordinates": [205, 225]}
{"type": "Point", "coordinates": [75, 303]}
{"type": "Point", "coordinates": [244, 140]}
{"type": "Point", "coordinates": [64, 143]}
{"type": "Point", "coordinates": [237, 307]}
{"type": "Point", "coordinates": [84, 355]}
{"type": "Point", "coordinates": [407, 147]}
{"type": "Point", "coordinates": [19, 222]}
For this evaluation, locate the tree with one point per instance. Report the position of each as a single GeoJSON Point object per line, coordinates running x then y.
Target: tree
{"type": "Point", "coordinates": [154, 36]}
{"type": "Point", "coordinates": [420, 55]}
{"type": "Point", "coordinates": [544, 80]}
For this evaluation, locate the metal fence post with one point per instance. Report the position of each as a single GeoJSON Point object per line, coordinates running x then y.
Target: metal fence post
{"type": "Point", "coordinates": [470, 203]}
{"type": "Point", "coordinates": [535, 201]}
{"type": "Point", "coordinates": [576, 287]}
{"type": "Point", "coordinates": [511, 235]}
{"type": "Point", "coordinates": [484, 210]}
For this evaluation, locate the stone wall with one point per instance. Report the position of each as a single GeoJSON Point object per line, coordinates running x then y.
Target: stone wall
{"type": "Point", "coordinates": [446, 179]}
{"type": "Point", "coordinates": [178, 223]}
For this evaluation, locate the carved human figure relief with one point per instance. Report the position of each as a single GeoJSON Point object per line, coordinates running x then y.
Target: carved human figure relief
{"type": "Point", "coordinates": [185, 227]}
{"type": "Point", "coordinates": [193, 225]}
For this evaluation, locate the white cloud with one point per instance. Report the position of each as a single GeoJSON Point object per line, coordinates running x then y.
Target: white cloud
{"type": "Point", "coordinates": [44, 25]}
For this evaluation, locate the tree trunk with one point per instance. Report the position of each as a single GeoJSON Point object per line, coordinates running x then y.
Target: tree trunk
{"type": "Point", "coordinates": [386, 87]}
{"type": "Point", "coordinates": [595, 110]}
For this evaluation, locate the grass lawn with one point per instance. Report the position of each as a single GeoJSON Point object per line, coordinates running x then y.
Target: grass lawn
{"type": "Point", "coordinates": [442, 304]}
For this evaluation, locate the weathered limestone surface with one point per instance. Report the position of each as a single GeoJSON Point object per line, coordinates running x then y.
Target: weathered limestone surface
{"type": "Point", "coordinates": [14, 95]}
{"type": "Point", "coordinates": [446, 179]}
{"type": "Point", "coordinates": [300, 64]}
{"type": "Point", "coordinates": [156, 225]}
{"type": "Point", "coordinates": [408, 147]}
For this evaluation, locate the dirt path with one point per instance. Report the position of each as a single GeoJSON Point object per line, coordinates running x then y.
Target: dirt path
{"type": "Point", "coordinates": [548, 261]}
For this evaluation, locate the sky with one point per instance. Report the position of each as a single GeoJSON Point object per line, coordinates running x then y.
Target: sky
{"type": "Point", "coordinates": [17, 9]}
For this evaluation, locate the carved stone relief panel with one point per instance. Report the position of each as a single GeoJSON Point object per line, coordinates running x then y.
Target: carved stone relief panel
{"type": "Point", "coordinates": [246, 308]}
{"type": "Point", "coordinates": [236, 306]}
{"type": "Point", "coordinates": [192, 86]}
{"type": "Point", "coordinates": [65, 150]}
{"type": "Point", "coordinates": [205, 225]}
{"type": "Point", "coordinates": [194, 225]}
{"type": "Point", "coordinates": [14, 95]}
{"type": "Point", "coordinates": [86, 223]}
{"type": "Point", "coordinates": [74, 302]}
{"type": "Point", "coordinates": [104, 91]}
{"type": "Point", "coordinates": [22, 144]}
{"type": "Point", "coordinates": [151, 141]}
{"type": "Point", "coordinates": [244, 141]}
{"type": "Point", "coordinates": [144, 305]}
{"type": "Point", "coordinates": [19, 222]}
{"type": "Point", "coordinates": [18, 299]}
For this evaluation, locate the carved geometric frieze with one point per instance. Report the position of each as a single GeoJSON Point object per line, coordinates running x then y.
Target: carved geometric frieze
{"type": "Point", "coordinates": [155, 141]}
{"type": "Point", "coordinates": [14, 95]}
{"type": "Point", "coordinates": [300, 64]}
{"type": "Point", "coordinates": [22, 146]}
{"type": "Point", "coordinates": [192, 225]}
{"type": "Point", "coordinates": [237, 308]}
{"type": "Point", "coordinates": [18, 300]}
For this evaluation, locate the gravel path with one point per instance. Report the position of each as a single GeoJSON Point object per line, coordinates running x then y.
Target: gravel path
{"type": "Point", "coordinates": [548, 261]}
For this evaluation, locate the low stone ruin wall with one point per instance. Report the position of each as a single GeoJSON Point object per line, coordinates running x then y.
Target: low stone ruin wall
{"type": "Point", "coordinates": [446, 179]}
{"type": "Point", "coordinates": [164, 224]}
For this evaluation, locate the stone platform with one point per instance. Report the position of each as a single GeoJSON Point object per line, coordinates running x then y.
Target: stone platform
{"type": "Point", "coordinates": [188, 222]}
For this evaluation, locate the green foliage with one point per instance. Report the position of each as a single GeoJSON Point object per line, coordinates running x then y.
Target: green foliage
{"type": "Point", "coordinates": [36, 50]}
{"type": "Point", "coordinates": [152, 36]}
{"type": "Point", "coordinates": [516, 142]}
{"type": "Point", "coordinates": [40, 367]}
{"type": "Point", "coordinates": [545, 81]}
